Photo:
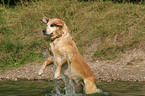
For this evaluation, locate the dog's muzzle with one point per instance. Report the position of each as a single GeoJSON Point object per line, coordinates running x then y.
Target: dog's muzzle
{"type": "Point", "coordinates": [45, 33]}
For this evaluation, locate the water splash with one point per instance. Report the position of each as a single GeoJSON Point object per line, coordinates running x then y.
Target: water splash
{"type": "Point", "coordinates": [69, 88]}
{"type": "Point", "coordinates": [69, 85]}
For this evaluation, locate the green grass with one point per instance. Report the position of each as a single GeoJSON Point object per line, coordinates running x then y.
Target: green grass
{"type": "Point", "coordinates": [119, 27]}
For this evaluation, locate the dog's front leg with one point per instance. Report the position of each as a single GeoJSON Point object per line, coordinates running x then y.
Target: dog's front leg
{"type": "Point", "coordinates": [58, 69]}
{"type": "Point", "coordinates": [47, 62]}
{"type": "Point", "coordinates": [57, 72]}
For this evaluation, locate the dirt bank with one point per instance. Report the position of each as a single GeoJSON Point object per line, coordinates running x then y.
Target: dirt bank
{"type": "Point", "coordinates": [103, 70]}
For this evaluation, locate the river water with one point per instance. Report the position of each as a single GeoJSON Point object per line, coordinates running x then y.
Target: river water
{"type": "Point", "coordinates": [44, 88]}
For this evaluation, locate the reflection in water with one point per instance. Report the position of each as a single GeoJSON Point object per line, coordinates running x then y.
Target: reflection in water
{"type": "Point", "coordinates": [43, 88]}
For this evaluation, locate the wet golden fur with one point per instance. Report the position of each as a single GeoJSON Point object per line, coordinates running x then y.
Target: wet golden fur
{"type": "Point", "coordinates": [63, 46]}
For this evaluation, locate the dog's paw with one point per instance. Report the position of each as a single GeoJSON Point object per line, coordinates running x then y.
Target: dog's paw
{"type": "Point", "coordinates": [57, 74]}
{"type": "Point", "coordinates": [40, 72]}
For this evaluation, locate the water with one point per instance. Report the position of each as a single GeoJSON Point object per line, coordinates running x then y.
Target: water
{"type": "Point", "coordinates": [44, 88]}
{"type": "Point", "coordinates": [25, 88]}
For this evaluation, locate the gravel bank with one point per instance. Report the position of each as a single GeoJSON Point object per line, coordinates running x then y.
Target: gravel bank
{"type": "Point", "coordinates": [103, 70]}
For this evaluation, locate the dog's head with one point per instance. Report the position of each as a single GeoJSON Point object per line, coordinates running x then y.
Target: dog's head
{"type": "Point", "coordinates": [54, 27]}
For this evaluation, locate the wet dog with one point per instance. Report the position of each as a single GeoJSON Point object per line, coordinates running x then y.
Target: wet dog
{"type": "Point", "coordinates": [62, 45]}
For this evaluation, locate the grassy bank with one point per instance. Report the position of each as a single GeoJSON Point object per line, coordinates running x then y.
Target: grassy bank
{"type": "Point", "coordinates": [117, 28]}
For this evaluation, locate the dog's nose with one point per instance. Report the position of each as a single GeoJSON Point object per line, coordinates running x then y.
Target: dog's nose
{"type": "Point", "coordinates": [44, 31]}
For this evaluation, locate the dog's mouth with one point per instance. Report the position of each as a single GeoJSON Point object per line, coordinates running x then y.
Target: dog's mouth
{"type": "Point", "coordinates": [49, 35]}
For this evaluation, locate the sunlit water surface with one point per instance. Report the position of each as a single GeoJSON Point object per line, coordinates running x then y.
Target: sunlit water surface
{"type": "Point", "coordinates": [44, 88]}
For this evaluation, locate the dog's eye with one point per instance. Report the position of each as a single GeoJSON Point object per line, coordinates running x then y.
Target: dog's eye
{"type": "Point", "coordinates": [52, 25]}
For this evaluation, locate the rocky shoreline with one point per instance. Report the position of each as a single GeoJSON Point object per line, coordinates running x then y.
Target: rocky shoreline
{"type": "Point", "coordinates": [103, 70]}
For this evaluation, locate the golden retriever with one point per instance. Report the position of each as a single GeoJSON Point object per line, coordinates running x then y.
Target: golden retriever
{"type": "Point", "coordinates": [62, 45]}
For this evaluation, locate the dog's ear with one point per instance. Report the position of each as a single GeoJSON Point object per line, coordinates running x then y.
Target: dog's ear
{"type": "Point", "coordinates": [59, 22]}
{"type": "Point", "coordinates": [45, 19]}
